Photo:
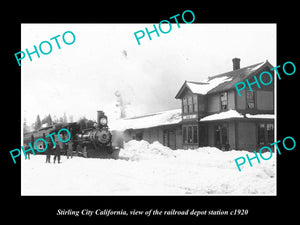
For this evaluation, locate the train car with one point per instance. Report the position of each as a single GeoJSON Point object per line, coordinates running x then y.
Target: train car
{"type": "Point", "coordinates": [30, 137]}
{"type": "Point", "coordinates": [95, 142]}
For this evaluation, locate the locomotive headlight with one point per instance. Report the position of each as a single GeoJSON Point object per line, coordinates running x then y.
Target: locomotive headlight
{"type": "Point", "coordinates": [103, 121]}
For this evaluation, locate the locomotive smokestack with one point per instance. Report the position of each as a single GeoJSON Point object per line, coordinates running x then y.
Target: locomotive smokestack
{"type": "Point", "coordinates": [100, 114]}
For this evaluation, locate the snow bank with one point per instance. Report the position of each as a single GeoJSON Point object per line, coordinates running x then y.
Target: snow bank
{"type": "Point", "coordinates": [150, 169]}
{"type": "Point", "coordinates": [206, 170]}
{"type": "Point", "coordinates": [142, 150]}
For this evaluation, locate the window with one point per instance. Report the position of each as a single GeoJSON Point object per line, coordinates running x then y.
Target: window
{"type": "Point", "coordinates": [250, 99]}
{"type": "Point", "coordinates": [195, 134]}
{"type": "Point", "coordinates": [195, 103]}
{"type": "Point", "coordinates": [270, 132]}
{"type": "Point", "coordinates": [261, 134]}
{"type": "Point", "coordinates": [190, 104]}
{"type": "Point", "coordinates": [265, 133]}
{"type": "Point", "coordinates": [190, 134]}
{"type": "Point", "coordinates": [224, 101]}
{"type": "Point", "coordinates": [185, 105]}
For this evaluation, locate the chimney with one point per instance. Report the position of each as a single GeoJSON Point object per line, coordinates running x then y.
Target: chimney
{"type": "Point", "coordinates": [236, 63]}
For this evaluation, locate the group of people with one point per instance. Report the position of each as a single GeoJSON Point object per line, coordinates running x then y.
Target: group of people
{"type": "Point", "coordinates": [56, 151]}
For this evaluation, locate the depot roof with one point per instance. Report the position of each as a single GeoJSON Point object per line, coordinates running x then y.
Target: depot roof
{"type": "Point", "coordinates": [172, 117]}
{"type": "Point", "coordinates": [222, 82]}
{"type": "Point", "coordinates": [146, 121]}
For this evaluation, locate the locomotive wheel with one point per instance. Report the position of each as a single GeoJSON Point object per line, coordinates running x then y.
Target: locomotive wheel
{"type": "Point", "coordinates": [110, 150]}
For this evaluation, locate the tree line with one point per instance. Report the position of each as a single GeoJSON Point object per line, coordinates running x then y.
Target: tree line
{"type": "Point", "coordinates": [83, 122]}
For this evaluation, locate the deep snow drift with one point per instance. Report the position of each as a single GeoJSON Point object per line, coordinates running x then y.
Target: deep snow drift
{"type": "Point", "coordinates": [150, 169]}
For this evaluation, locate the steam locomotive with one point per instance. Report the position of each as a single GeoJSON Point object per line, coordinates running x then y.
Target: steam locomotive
{"type": "Point", "coordinates": [94, 142]}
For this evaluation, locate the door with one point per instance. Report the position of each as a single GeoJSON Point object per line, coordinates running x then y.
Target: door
{"type": "Point", "coordinates": [169, 138]}
{"type": "Point", "coordinates": [221, 136]}
{"type": "Point", "coordinates": [203, 141]}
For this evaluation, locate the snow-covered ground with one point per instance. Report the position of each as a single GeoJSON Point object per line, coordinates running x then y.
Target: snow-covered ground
{"type": "Point", "coordinates": [150, 169]}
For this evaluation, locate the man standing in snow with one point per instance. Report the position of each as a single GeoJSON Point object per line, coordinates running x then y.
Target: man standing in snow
{"type": "Point", "coordinates": [57, 150]}
{"type": "Point", "coordinates": [48, 152]}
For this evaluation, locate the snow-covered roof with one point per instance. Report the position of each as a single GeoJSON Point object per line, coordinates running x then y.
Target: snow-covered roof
{"type": "Point", "coordinates": [222, 82]}
{"type": "Point", "coordinates": [230, 114]}
{"type": "Point", "coordinates": [174, 117]}
{"type": "Point", "coordinates": [261, 116]}
{"type": "Point", "coordinates": [223, 115]}
{"type": "Point", "coordinates": [151, 120]}
{"type": "Point", "coordinates": [203, 87]}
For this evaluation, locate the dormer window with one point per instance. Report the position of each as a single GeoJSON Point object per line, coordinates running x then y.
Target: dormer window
{"type": "Point", "coordinates": [185, 105]}
{"type": "Point", "coordinates": [195, 103]}
{"type": "Point", "coordinates": [190, 104]}
{"type": "Point", "coordinates": [224, 101]}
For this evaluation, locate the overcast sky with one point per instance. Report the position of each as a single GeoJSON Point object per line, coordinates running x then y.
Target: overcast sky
{"type": "Point", "coordinates": [81, 78]}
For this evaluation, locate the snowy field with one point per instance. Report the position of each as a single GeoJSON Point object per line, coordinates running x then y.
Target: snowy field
{"type": "Point", "coordinates": [150, 169]}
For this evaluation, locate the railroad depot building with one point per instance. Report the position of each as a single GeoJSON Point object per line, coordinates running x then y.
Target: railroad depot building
{"type": "Point", "coordinates": [164, 127]}
{"type": "Point", "coordinates": [213, 114]}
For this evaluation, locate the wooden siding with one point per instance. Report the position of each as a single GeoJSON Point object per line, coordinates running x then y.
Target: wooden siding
{"type": "Point", "coordinates": [247, 136]}
{"type": "Point", "coordinates": [231, 101]}
{"type": "Point", "coordinates": [213, 103]}
{"type": "Point", "coordinates": [265, 100]}
{"type": "Point", "coordinates": [170, 136]}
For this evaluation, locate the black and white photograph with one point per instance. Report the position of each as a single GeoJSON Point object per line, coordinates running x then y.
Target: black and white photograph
{"type": "Point", "coordinates": [172, 114]}
{"type": "Point", "coordinates": [160, 118]}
